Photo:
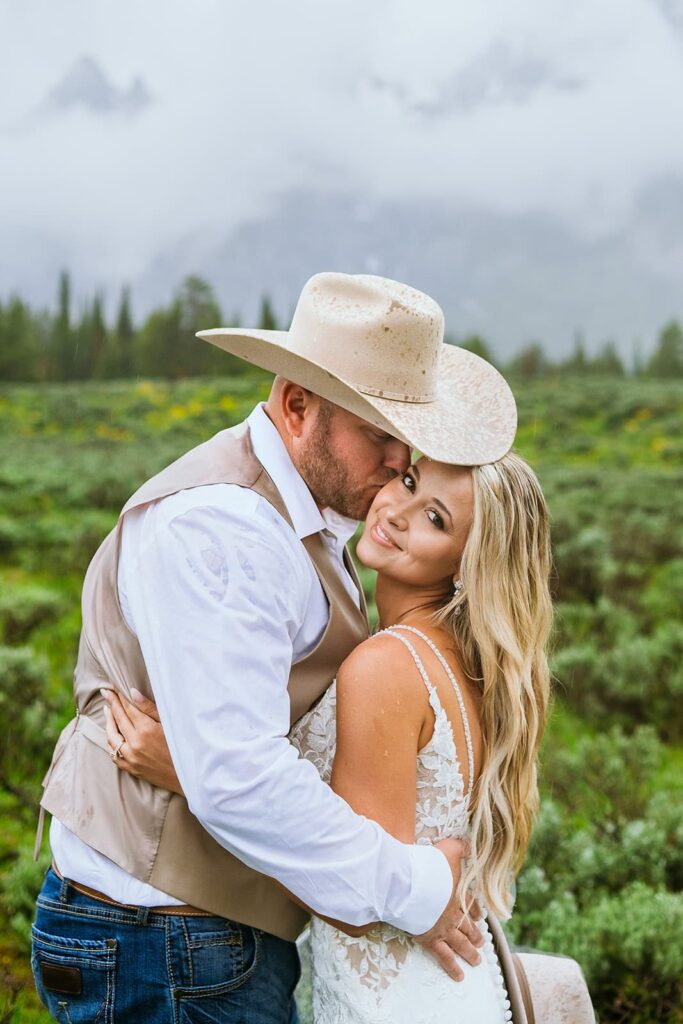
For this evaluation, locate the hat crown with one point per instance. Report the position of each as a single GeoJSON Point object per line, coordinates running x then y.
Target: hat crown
{"type": "Point", "coordinates": [379, 335]}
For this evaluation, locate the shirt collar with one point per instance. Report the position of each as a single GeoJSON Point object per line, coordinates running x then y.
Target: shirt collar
{"type": "Point", "coordinates": [270, 450]}
{"type": "Point", "coordinates": [341, 526]}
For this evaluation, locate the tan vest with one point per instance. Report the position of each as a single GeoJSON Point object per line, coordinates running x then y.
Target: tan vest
{"type": "Point", "coordinates": [147, 831]}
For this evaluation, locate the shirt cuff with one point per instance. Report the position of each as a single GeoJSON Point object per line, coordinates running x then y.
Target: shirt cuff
{"type": "Point", "coordinates": [430, 892]}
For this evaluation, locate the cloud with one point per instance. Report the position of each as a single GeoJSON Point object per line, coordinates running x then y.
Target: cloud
{"type": "Point", "coordinates": [498, 75]}
{"type": "Point", "coordinates": [672, 10]}
{"type": "Point", "coordinates": [533, 107]}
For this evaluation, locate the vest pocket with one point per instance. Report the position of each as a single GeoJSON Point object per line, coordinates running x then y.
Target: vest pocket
{"type": "Point", "coordinates": [75, 977]}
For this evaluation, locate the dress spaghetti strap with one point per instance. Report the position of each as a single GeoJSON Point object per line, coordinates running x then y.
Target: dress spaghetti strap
{"type": "Point", "coordinates": [449, 672]}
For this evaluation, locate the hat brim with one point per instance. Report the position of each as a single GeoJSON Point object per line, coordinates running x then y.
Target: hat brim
{"type": "Point", "coordinates": [471, 421]}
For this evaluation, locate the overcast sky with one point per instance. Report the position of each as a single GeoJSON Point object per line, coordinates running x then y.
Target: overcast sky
{"type": "Point", "coordinates": [530, 105]}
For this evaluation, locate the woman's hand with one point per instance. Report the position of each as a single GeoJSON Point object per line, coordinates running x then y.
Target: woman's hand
{"type": "Point", "coordinates": [137, 742]}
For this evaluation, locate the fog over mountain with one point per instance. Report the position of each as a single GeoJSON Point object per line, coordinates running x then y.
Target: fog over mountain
{"type": "Point", "coordinates": [523, 163]}
{"type": "Point", "coordinates": [86, 85]}
{"type": "Point", "coordinates": [511, 278]}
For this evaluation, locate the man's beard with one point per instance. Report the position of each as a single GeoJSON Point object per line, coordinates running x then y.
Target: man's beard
{"type": "Point", "coordinates": [327, 479]}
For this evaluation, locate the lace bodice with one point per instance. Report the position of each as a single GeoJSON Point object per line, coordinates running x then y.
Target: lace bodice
{"type": "Point", "coordinates": [386, 972]}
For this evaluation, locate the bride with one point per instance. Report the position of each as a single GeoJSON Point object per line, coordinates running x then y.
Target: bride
{"type": "Point", "coordinates": [432, 726]}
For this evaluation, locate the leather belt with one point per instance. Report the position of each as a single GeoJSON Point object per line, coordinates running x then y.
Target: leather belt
{"type": "Point", "coordinates": [183, 910]}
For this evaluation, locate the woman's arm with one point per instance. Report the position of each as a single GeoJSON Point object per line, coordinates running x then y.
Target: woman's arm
{"type": "Point", "coordinates": [382, 711]}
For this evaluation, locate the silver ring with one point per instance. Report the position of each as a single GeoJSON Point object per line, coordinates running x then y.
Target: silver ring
{"type": "Point", "coordinates": [117, 752]}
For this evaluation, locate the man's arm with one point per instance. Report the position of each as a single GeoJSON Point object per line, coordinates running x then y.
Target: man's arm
{"type": "Point", "coordinates": [216, 598]}
{"type": "Point", "coordinates": [136, 724]}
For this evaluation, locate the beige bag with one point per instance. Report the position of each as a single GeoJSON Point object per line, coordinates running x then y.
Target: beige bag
{"type": "Point", "coordinates": [542, 988]}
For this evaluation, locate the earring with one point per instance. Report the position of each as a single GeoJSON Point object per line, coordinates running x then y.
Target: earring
{"type": "Point", "coordinates": [458, 586]}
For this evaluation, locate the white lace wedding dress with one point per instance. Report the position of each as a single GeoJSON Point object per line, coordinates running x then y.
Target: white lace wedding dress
{"type": "Point", "coordinates": [386, 977]}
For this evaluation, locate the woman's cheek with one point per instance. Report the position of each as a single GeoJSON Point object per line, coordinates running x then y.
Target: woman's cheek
{"type": "Point", "coordinates": [365, 551]}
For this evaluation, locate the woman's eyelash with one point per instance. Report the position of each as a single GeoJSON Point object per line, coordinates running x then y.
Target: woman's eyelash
{"type": "Point", "coordinates": [440, 523]}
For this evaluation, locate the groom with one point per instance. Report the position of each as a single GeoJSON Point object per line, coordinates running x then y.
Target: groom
{"type": "Point", "coordinates": [226, 593]}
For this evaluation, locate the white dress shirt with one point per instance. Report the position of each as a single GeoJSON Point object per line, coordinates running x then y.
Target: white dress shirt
{"type": "Point", "coordinates": [223, 598]}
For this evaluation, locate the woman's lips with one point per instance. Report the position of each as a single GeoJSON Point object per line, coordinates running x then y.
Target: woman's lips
{"type": "Point", "coordinates": [380, 537]}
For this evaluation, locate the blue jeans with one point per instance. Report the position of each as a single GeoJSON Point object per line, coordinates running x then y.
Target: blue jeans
{"type": "Point", "coordinates": [96, 962]}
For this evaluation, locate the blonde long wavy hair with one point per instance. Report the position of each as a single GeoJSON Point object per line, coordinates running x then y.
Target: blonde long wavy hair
{"type": "Point", "coordinates": [501, 622]}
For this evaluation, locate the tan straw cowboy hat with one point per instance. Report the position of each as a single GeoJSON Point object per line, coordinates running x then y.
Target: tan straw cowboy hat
{"type": "Point", "coordinates": [375, 347]}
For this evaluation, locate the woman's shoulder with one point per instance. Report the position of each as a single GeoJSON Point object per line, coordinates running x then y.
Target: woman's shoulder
{"type": "Point", "coordinates": [381, 668]}
{"type": "Point", "coordinates": [379, 649]}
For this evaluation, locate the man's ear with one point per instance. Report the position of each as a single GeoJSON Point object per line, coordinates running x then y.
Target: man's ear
{"type": "Point", "coordinates": [296, 405]}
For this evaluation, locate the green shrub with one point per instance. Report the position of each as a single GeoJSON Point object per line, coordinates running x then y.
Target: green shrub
{"type": "Point", "coordinates": [25, 606]}
{"type": "Point", "coordinates": [28, 723]}
{"type": "Point", "coordinates": [629, 679]}
{"type": "Point", "coordinates": [20, 887]}
{"type": "Point", "coordinates": [603, 873]}
{"type": "Point", "coordinates": [662, 599]}
{"type": "Point", "coordinates": [629, 945]}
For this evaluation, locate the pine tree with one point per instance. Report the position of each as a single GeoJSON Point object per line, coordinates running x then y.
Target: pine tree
{"type": "Point", "coordinates": [608, 361]}
{"type": "Point", "coordinates": [158, 349]}
{"type": "Point", "coordinates": [267, 320]}
{"type": "Point", "coordinates": [19, 342]}
{"type": "Point", "coordinates": [102, 362]}
{"type": "Point", "coordinates": [530, 363]}
{"type": "Point", "coordinates": [62, 360]}
{"type": "Point", "coordinates": [198, 311]}
{"type": "Point", "coordinates": [124, 334]}
{"type": "Point", "coordinates": [578, 361]}
{"type": "Point", "coordinates": [667, 359]}
{"type": "Point", "coordinates": [90, 355]}
{"type": "Point", "coordinates": [475, 343]}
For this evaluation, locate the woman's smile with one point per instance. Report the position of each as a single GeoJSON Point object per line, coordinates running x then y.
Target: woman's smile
{"type": "Point", "coordinates": [380, 536]}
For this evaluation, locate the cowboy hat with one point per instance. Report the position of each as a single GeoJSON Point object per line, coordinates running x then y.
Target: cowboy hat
{"type": "Point", "coordinates": [375, 347]}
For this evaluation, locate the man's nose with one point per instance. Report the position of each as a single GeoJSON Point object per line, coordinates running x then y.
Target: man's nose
{"type": "Point", "coordinates": [397, 456]}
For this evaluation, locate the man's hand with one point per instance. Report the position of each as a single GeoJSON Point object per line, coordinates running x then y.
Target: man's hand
{"type": "Point", "coordinates": [454, 932]}
{"type": "Point", "coordinates": [137, 742]}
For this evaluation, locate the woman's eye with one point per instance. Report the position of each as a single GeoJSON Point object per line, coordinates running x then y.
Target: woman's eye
{"type": "Point", "coordinates": [408, 481]}
{"type": "Point", "coordinates": [435, 518]}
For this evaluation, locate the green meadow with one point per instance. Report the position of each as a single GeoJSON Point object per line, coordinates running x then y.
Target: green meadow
{"type": "Point", "coordinates": [603, 876]}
